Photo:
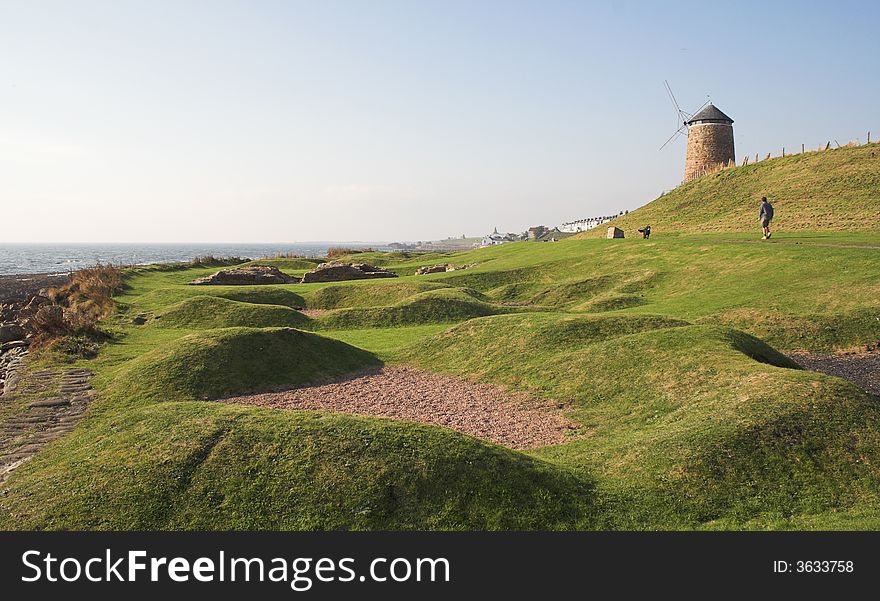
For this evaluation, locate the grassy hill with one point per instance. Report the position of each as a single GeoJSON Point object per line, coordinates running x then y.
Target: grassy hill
{"type": "Point", "coordinates": [668, 354]}
{"type": "Point", "coordinates": [829, 190]}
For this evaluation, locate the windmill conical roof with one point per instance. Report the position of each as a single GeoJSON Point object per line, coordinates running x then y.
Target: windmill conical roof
{"type": "Point", "coordinates": [710, 113]}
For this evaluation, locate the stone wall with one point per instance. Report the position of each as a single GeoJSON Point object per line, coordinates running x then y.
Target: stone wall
{"type": "Point", "coordinates": [710, 145]}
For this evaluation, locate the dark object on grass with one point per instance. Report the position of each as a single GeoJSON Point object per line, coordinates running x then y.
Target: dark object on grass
{"type": "Point", "coordinates": [245, 276]}
{"type": "Point", "coordinates": [765, 215]}
{"type": "Point", "coordinates": [645, 232]}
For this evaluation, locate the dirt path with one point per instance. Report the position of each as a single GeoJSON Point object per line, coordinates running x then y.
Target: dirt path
{"type": "Point", "coordinates": [862, 369]}
{"type": "Point", "coordinates": [490, 412]}
{"type": "Point", "coordinates": [60, 399]}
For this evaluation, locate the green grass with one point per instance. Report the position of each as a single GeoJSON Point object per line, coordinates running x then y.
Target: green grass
{"type": "Point", "coordinates": [665, 351]}
{"type": "Point", "coordinates": [830, 190]}
{"type": "Point", "coordinates": [214, 363]}
{"type": "Point", "coordinates": [206, 466]}
{"type": "Point", "coordinates": [385, 343]}
{"type": "Point", "coordinates": [668, 353]}
{"type": "Point", "coordinates": [696, 422]}
{"type": "Point", "coordinates": [446, 305]}
{"type": "Point", "coordinates": [365, 293]}
{"type": "Point", "coordinates": [218, 312]}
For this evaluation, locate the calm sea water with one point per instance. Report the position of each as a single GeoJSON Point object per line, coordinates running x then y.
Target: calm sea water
{"type": "Point", "coordinates": [61, 258]}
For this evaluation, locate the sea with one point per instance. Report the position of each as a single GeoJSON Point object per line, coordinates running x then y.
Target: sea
{"type": "Point", "coordinates": [63, 258]}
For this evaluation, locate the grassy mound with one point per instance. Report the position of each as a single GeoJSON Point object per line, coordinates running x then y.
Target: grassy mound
{"type": "Point", "coordinates": [512, 349]}
{"type": "Point", "coordinates": [217, 363]}
{"type": "Point", "coordinates": [262, 295]}
{"type": "Point", "coordinates": [162, 298]}
{"type": "Point", "coordinates": [445, 305]}
{"type": "Point", "coordinates": [689, 424]}
{"type": "Point", "coordinates": [219, 312]}
{"type": "Point", "coordinates": [828, 190]}
{"type": "Point", "coordinates": [366, 294]}
{"type": "Point", "coordinates": [206, 466]}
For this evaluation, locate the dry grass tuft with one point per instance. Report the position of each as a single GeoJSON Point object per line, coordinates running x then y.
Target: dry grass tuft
{"type": "Point", "coordinates": [79, 305]}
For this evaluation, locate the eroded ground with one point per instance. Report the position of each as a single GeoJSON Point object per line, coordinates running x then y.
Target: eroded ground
{"type": "Point", "coordinates": [486, 411]}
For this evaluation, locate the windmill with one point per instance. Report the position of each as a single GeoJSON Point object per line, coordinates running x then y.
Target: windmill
{"type": "Point", "coordinates": [709, 138]}
{"type": "Point", "coordinates": [682, 116]}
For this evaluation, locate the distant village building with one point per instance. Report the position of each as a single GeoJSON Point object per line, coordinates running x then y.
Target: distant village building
{"type": "Point", "coordinates": [710, 142]}
{"type": "Point", "coordinates": [536, 232]}
{"type": "Point", "coordinates": [496, 238]}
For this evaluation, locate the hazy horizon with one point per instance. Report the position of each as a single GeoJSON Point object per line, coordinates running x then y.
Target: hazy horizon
{"type": "Point", "coordinates": [193, 122]}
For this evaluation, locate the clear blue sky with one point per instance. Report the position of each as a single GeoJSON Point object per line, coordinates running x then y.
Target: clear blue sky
{"type": "Point", "coordinates": [385, 120]}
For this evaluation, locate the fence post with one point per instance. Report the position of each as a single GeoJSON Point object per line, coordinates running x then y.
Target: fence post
{"type": "Point", "coordinates": [802, 148]}
{"type": "Point", "coordinates": [869, 137]}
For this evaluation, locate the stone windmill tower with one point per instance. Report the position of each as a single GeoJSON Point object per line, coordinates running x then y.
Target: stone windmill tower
{"type": "Point", "coordinates": [710, 142]}
{"type": "Point", "coordinates": [709, 135]}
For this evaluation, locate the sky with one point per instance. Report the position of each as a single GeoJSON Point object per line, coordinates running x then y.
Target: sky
{"type": "Point", "coordinates": [379, 120]}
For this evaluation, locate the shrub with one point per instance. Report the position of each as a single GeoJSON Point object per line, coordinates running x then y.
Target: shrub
{"type": "Point", "coordinates": [285, 255]}
{"type": "Point", "coordinates": [212, 261]}
{"type": "Point", "coordinates": [76, 307]}
{"type": "Point", "coordinates": [341, 251]}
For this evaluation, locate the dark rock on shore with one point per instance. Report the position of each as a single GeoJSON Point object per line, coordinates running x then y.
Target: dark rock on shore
{"type": "Point", "coordinates": [20, 298]}
{"type": "Point", "coordinates": [246, 276]}
{"type": "Point", "coordinates": [11, 331]}
{"type": "Point", "coordinates": [338, 272]}
{"type": "Point", "coordinates": [18, 288]}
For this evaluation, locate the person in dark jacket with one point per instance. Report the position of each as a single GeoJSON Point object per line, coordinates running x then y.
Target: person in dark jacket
{"type": "Point", "coordinates": [645, 232]}
{"type": "Point", "coordinates": [765, 215]}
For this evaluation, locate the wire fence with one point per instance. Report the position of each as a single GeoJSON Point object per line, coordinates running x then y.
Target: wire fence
{"type": "Point", "coordinates": [748, 160]}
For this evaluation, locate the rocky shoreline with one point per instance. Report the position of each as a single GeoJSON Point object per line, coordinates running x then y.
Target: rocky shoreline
{"type": "Point", "coordinates": [20, 296]}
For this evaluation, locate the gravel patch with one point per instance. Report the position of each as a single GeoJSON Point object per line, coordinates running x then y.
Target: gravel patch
{"type": "Point", "coordinates": [862, 369]}
{"type": "Point", "coordinates": [486, 411]}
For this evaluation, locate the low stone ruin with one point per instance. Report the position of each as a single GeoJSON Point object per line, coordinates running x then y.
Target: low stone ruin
{"type": "Point", "coordinates": [338, 272]}
{"type": "Point", "coordinates": [615, 232]}
{"type": "Point", "coordinates": [433, 269]}
{"type": "Point", "coordinates": [426, 269]}
{"type": "Point", "coordinates": [246, 276]}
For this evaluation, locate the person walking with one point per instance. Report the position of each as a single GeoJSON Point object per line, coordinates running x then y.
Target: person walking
{"type": "Point", "coordinates": [765, 215]}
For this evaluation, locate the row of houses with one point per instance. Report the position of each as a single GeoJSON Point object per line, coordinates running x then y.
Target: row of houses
{"type": "Point", "coordinates": [538, 233]}
{"type": "Point", "coordinates": [541, 233]}
{"type": "Point", "coordinates": [582, 225]}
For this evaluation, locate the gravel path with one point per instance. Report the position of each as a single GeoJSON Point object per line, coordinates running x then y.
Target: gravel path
{"type": "Point", "coordinates": [515, 420]}
{"type": "Point", "coordinates": [862, 369]}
